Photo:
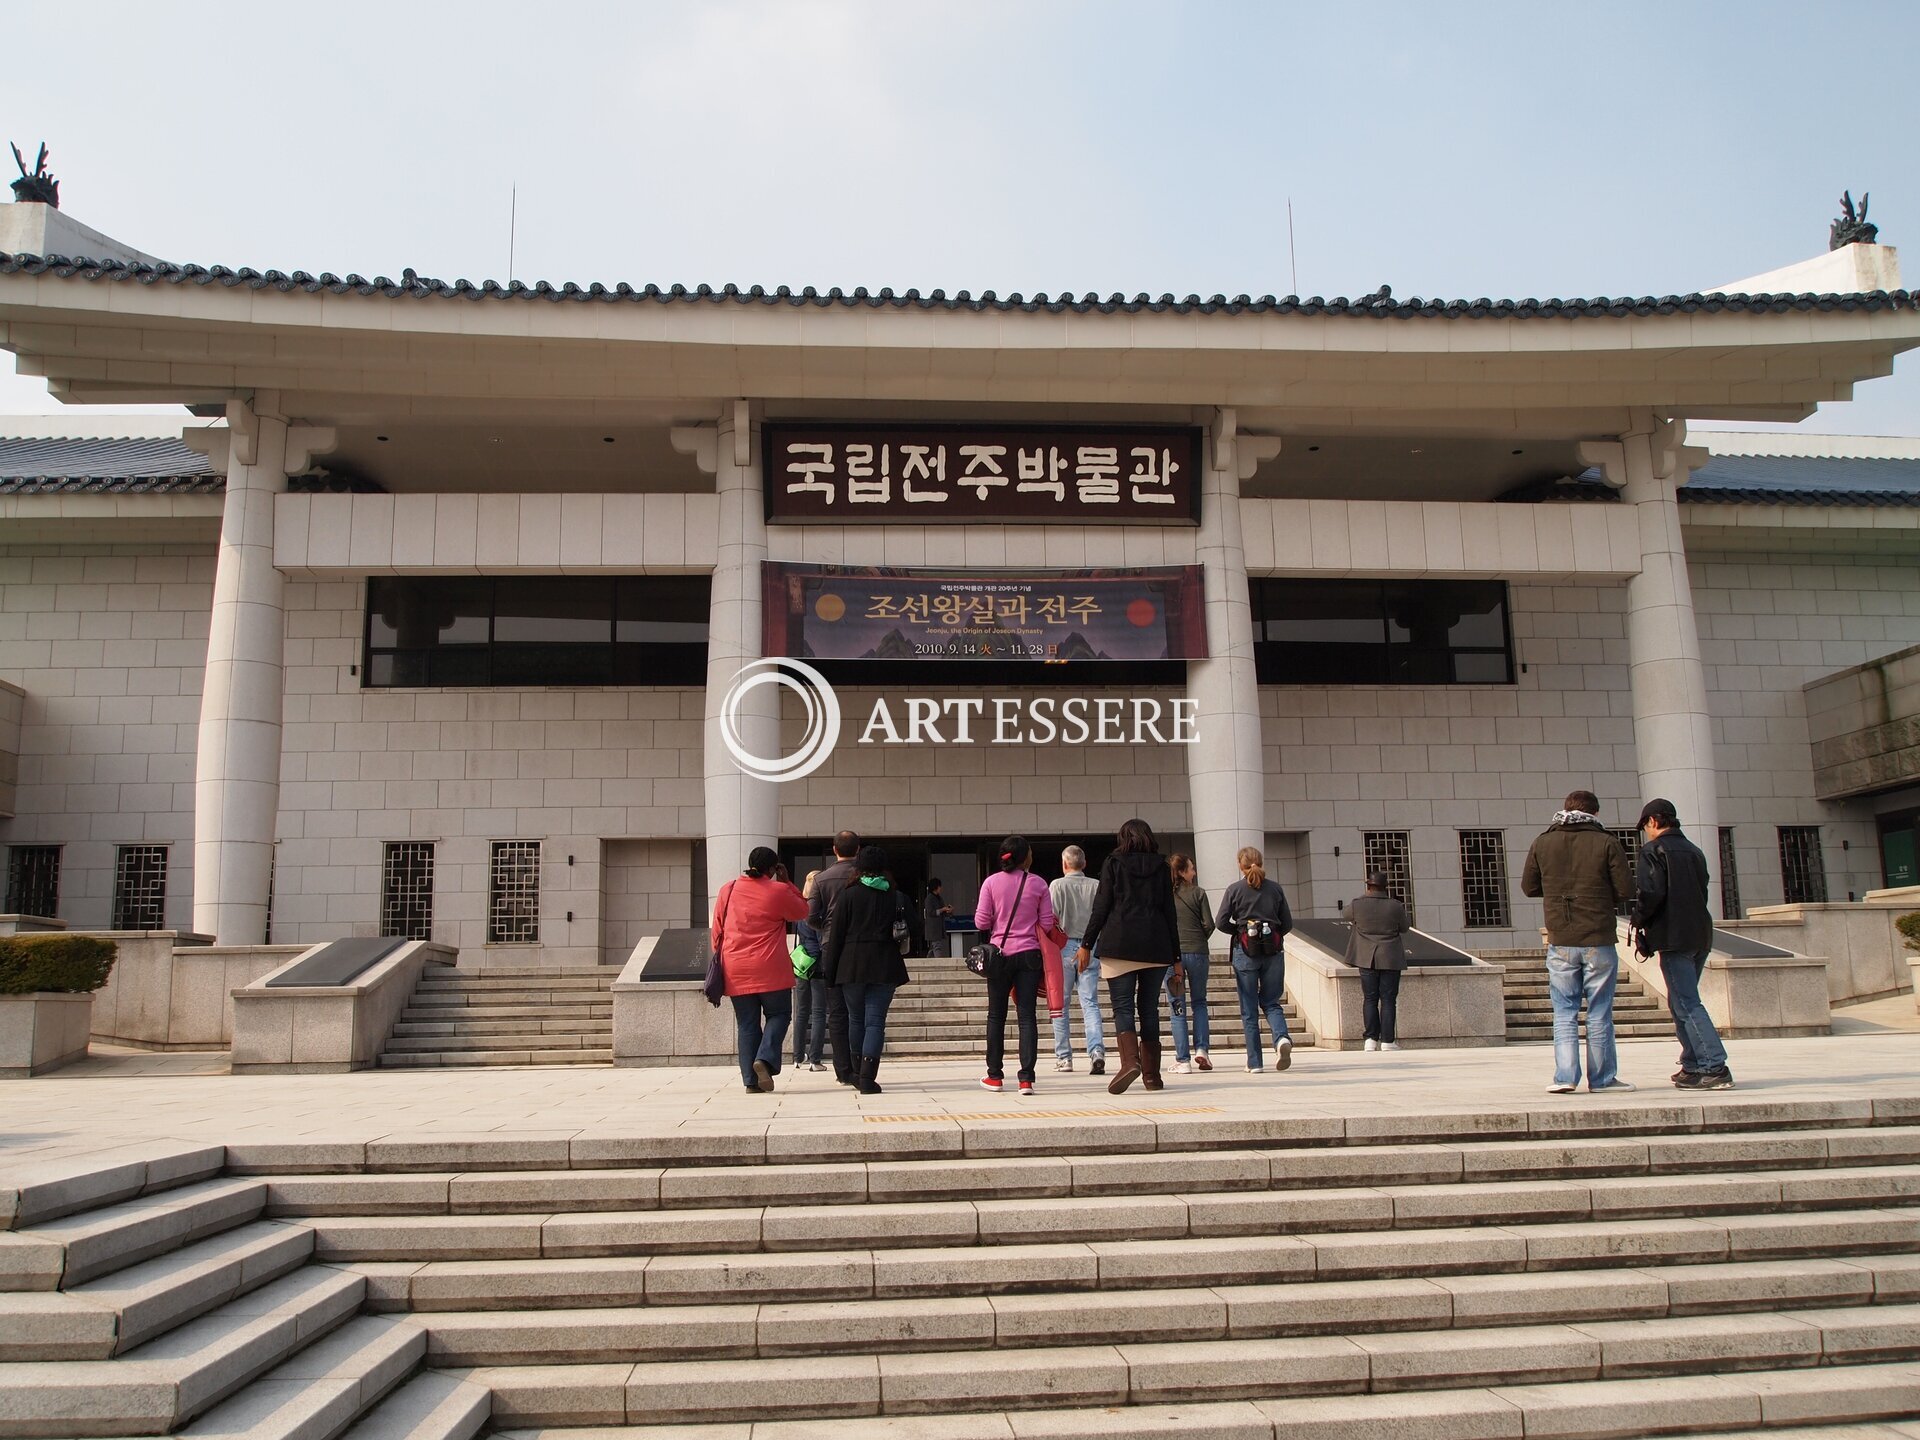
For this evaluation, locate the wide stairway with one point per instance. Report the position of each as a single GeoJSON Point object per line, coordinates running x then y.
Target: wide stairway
{"type": "Point", "coordinates": [943, 1015]}
{"type": "Point", "coordinates": [506, 1017]}
{"type": "Point", "coordinates": [1724, 1266]}
{"type": "Point", "coordinates": [1637, 1012]}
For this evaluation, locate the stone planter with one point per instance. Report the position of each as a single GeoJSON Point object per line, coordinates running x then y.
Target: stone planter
{"type": "Point", "coordinates": [42, 1032]}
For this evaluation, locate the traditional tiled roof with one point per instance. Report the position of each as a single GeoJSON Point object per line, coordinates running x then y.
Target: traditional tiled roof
{"type": "Point", "coordinates": [1798, 480]}
{"type": "Point", "coordinates": [146, 465]}
{"type": "Point", "coordinates": [1379, 304]}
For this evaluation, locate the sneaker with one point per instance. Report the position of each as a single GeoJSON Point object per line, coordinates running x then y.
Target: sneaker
{"type": "Point", "coordinates": [1559, 1089]}
{"type": "Point", "coordinates": [990, 1082]}
{"type": "Point", "coordinates": [1679, 1076]}
{"type": "Point", "coordinates": [1390, 1045]}
{"type": "Point", "coordinates": [1064, 1064]}
{"type": "Point", "coordinates": [1721, 1079]}
{"type": "Point", "coordinates": [1026, 1089]}
{"type": "Point", "coordinates": [1182, 1067]}
{"type": "Point", "coordinates": [763, 1073]}
{"type": "Point", "coordinates": [1200, 1060]}
{"type": "Point", "coordinates": [1099, 1065]}
{"type": "Point", "coordinates": [816, 1065]}
{"type": "Point", "coordinates": [1283, 1055]}
{"type": "Point", "coordinates": [1620, 1085]}
{"type": "Point", "coordinates": [1371, 1045]}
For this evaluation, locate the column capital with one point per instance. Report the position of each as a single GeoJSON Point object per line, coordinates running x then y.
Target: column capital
{"type": "Point", "coordinates": [738, 424]}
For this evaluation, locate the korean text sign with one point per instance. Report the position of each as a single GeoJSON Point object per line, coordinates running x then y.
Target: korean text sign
{"type": "Point", "coordinates": [828, 612]}
{"type": "Point", "coordinates": [849, 474]}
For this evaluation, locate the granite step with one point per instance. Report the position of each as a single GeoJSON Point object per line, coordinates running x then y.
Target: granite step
{"type": "Point", "coordinates": [1094, 1403]}
{"type": "Point", "coordinates": [114, 1314]}
{"type": "Point", "coordinates": [61, 1253]}
{"type": "Point", "coordinates": [1402, 1364]}
{"type": "Point", "coordinates": [159, 1386]}
{"type": "Point", "coordinates": [430, 1406]}
{"type": "Point", "coordinates": [508, 1040]}
{"type": "Point", "coordinates": [416, 1059]}
{"type": "Point", "coordinates": [322, 1390]}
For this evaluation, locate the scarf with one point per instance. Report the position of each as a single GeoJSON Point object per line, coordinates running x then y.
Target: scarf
{"type": "Point", "coordinates": [1574, 817]}
{"type": "Point", "coordinates": [875, 882]}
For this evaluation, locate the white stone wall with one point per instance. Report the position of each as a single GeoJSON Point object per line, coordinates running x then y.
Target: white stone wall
{"type": "Point", "coordinates": [109, 643]}
{"type": "Point", "coordinates": [647, 887]}
{"type": "Point", "coordinates": [1436, 760]}
{"type": "Point", "coordinates": [1770, 622]}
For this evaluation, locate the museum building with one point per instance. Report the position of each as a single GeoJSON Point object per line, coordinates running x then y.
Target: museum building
{"type": "Point", "coordinates": [439, 616]}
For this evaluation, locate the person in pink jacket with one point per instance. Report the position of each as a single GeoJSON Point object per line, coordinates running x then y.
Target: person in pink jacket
{"type": "Point", "coordinates": [1013, 910]}
{"type": "Point", "coordinates": [750, 919]}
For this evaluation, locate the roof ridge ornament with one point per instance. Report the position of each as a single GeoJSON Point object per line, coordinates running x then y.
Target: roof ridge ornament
{"type": "Point", "coordinates": [1849, 229]}
{"type": "Point", "coordinates": [37, 186]}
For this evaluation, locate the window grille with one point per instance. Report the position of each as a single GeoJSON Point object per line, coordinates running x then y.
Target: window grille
{"type": "Point", "coordinates": [1388, 850]}
{"type": "Point", "coordinates": [1629, 839]}
{"type": "Point", "coordinates": [1483, 879]}
{"type": "Point", "coordinates": [406, 890]}
{"type": "Point", "coordinates": [33, 880]}
{"type": "Point", "coordinates": [1729, 878]}
{"type": "Point", "coordinates": [1803, 875]}
{"type": "Point", "coordinates": [140, 887]}
{"type": "Point", "coordinates": [513, 893]}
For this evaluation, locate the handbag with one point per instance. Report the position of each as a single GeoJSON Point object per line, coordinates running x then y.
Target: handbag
{"type": "Point", "coordinates": [983, 956]}
{"type": "Point", "coordinates": [714, 987]}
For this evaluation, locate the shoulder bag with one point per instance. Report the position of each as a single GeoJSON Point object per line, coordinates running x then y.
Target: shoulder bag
{"type": "Point", "coordinates": [715, 985]}
{"type": "Point", "coordinates": [984, 957]}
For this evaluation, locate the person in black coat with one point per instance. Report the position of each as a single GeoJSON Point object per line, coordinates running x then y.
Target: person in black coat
{"type": "Point", "coordinates": [1138, 932]}
{"type": "Point", "coordinates": [1671, 909]}
{"type": "Point", "coordinates": [861, 958]}
{"type": "Point", "coordinates": [827, 885]}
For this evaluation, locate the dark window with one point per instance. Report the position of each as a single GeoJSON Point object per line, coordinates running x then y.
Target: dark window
{"type": "Point", "coordinates": [537, 630]}
{"type": "Point", "coordinates": [33, 880]}
{"type": "Point", "coordinates": [513, 893]}
{"type": "Point", "coordinates": [1483, 879]}
{"type": "Point", "coordinates": [1369, 632]}
{"type": "Point", "coordinates": [1729, 878]}
{"type": "Point", "coordinates": [140, 887]}
{"type": "Point", "coordinates": [1803, 875]}
{"type": "Point", "coordinates": [1389, 850]}
{"type": "Point", "coordinates": [1629, 839]}
{"type": "Point", "coordinates": [406, 890]}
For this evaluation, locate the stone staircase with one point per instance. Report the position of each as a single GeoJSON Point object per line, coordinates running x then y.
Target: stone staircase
{"type": "Point", "coordinates": [156, 1297]}
{"type": "Point", "coordinates": [1637, 1012]}
{"type": "Point", "coordinates": [943, 1015]}
{"type": "Point", "coordinates": [506, 1017]}
{"type": "Point", "coordinates": [1723, 1266]}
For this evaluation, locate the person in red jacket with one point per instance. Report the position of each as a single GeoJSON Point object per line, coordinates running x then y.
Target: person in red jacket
{"type": "Point", "coordinates": [750, 919]}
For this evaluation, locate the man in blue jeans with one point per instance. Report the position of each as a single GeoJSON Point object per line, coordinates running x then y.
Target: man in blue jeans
{"type": "Point", "coordinates": [1072, 896]}
{"type": "Point", "coordinates": [1675, 921]}
{"type": "Point", "coordinates": [1581, 874]}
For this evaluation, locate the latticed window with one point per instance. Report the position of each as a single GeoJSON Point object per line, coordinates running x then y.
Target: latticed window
{"type": "Point", "coordinates": [140, 887]}
{"type": "Point", "coordinates": [406, 890]}
{"type": "Point", "coordinates": [1629, 839]}
{"type": "Point", "coordinates": [33, 880]}
{"type": "Point", "coordinates": [1483, 879]}
{"type": "Point", "coordinates": [513, 893]}
{"type": "Point", "coordinates": [1729, 877]}
{"type": "Point", "coordinates": [1803, 874]}
{"type": "Point", "coordinates": [1389, 850]}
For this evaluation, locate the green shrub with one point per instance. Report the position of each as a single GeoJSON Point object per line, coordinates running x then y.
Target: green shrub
{"type": "Point", "coordinates": [1909, 926]}
{"type": "Point", "coordinates": [66, 964]}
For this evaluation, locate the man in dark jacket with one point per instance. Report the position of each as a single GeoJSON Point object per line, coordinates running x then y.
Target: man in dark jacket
{"type": "Point", "coordinates": [1675, 921]}
{"type": "Point", "coordinates": [1580, 871]}
{"type": "Point", "coordinates": [827, 886]}
{"type": "Point", "coordinates": [1377, 948]}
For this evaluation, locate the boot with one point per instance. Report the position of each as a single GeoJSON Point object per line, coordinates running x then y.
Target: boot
{"type": "Point", "coordinates": [1150, 1065]}
{"type": "Point", "coordinates": [863, 1081]}
{"type": "Point", "coordinates": [1129, 1071]}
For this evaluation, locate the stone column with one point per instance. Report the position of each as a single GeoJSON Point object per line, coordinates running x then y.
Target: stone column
{"type": "Point", "coordinates": [236, 791]}
{"type": "Point", "coordinates": [742, 810]}
{"type": "Point", "coordinates": [1226, 777]}
{"type": "Point", "coordinates": [1672, 727]}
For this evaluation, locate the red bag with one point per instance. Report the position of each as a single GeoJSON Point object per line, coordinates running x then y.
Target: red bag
{"type": "Point", "coordinates": [1050, 943]}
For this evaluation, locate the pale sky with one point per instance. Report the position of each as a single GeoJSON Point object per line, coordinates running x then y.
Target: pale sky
{"type": "Point", "coordinates": [1454, 150]}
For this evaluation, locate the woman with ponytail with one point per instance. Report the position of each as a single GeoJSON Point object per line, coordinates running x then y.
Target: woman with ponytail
{"type": "Point", "coordinates": [750, 919]}
{"type": "Point", "coordinates": [1014, 908]}
{"type": "Point", "coordinates": [1138, 932]}
{"type": "Point", "coordinates": [1254, 912]}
